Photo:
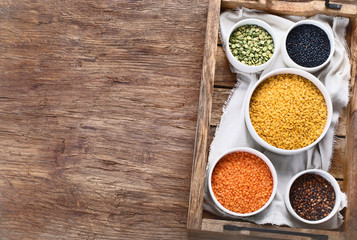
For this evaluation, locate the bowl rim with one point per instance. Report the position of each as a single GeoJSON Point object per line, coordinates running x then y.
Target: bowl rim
{"type": "Point", "coordinates": [247, 68]}
{"type": "Point", "coordinates": [309, 77]}
{"type": "Point", "coordinates": [261, 156]}
{"type": "Point", "coordinates": [326, 176]}
{"type": "Point", "coordinates": [327, 29]}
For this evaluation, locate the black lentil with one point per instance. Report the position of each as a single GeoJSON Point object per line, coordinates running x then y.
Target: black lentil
{"type": "Point", "coordinates": [308, 45]}
{"type": "Point", "coordinates": [312, 197]}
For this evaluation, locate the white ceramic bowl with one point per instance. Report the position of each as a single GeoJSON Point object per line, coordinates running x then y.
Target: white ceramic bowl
{"type": "Point", "coordinates": [286, 56]}
{"type": "Point", "coordinates": [304, 74]}
{"type": "Point", "coordinates": [243, 67]}
{"type": "Point", "coordinates": [330, 179]}
{"type": "Point", "coordinates": [272, 170]}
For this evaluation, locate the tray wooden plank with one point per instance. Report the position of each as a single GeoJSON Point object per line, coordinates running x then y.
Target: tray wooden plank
{"type": "Point", "coordinates": [288, 8]}
{"type": "Point", "coordinates": [216, 73]}
{"type": "Point", "coordinates": [350, 184]}
{"type": "Point", "coordinates": [267, 232]}
{"type": "Point", "coordinates": [223, 75]}
{"type": "Point", "coordinates": [194, 216]}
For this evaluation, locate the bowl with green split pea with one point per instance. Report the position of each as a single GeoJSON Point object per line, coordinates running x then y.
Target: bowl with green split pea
{"type": "Point", "coordinates": [252, 45]}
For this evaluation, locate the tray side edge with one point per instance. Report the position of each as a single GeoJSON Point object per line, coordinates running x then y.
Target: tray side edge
{"type": "Point", "coordinates": [194, 217]}
{"type": "Point", "coordinates": [351, 145]}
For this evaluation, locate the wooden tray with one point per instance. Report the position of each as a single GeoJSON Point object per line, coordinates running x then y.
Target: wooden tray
{"type": "Point", "coordinates": [216, 84]}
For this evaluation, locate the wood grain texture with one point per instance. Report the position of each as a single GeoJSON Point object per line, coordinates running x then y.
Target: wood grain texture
{"type": "Point", "coordinates": [97, 117]}
{"type": "Point", "coordinates": [204, 115]}
{"type": "Point", "coordinates": [296, 7]}
{"type": "Point", "coordinates": [224, 76]}
{"type": "Point", "coordinates": [350, 183]}
{"type": "Point", "coordinates": [247, 230]}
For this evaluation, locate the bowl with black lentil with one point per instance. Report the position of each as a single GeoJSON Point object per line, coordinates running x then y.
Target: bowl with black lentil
{"type": "Point", "coordinates": [313, 196]}
{"type": "Point", "coordinates": [308, 45]}
{"type": "Point", "coordinates": [288, 111]}
{"type": "Point", "coordinates": [251, 45]}
{"type": "Point", "coordinates": [242, 182]}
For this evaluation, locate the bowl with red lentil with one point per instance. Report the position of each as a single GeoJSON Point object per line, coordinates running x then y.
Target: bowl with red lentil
{"type": "Point", "coordinates": [313, 196]}
{"type": "Point", "coordinates": [242, 182]}
{"type": "Point", "coordinates": [251, 45]}
{"type": "Point", "coordinates": [288, 111]}
{"type": "Point", "coordinates": [308, 45]}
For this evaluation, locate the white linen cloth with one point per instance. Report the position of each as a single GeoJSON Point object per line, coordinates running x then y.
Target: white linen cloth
{"type": "Point", "coordinates": [232, 131]}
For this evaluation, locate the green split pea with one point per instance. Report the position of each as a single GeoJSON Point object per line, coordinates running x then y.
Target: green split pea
{"type": "Point", "coordinates": [251, 45]}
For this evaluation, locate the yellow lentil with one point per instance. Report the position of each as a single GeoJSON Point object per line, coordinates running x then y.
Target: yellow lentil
{"type": "Point", "coordinates": [288, 111]}
{"type": "Point", "coordinates": [242, 182]}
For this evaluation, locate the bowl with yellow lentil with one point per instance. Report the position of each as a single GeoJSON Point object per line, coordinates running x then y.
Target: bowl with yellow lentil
{"type": "Point", "coordinates": [288, 111]}
{"type": "Point", "coordinates": [242, 182]}
{"type": "Point", "coordinates": [313, 196]}
{"type": "Point", "coordinates": [251, 45]}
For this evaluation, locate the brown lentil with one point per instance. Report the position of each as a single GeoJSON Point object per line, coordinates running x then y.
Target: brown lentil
{"type": "Point", "coordinates": [288, 111]}
{"type": "Point", "coordinates": [242, 182]}
{"type": "Point", "coordinates": [312, 197]}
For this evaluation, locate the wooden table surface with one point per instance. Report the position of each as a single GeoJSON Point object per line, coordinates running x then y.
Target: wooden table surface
{"type": "Point", "coordinates": [99, 102]}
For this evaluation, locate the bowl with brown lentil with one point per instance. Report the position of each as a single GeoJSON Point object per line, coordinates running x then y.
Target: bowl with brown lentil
{"type": "Point", "coordinates": [288, 111]}
{"type": "Point", "coordinates": [242, 182]}
{"type": "Point", "coordinates": [313, 196]}
{"type": "Point", "coordinates": [308, 45]}
{"type": "Point", "coordinates": [251, 45]}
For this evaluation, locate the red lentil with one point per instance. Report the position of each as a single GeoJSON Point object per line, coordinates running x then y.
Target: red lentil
{"type": "Point", "coordinates": [242, 182]}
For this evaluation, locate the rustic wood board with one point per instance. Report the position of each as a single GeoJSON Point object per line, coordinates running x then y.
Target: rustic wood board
{"type": "Point", "coordinates": [343, 166]}
{"type": "Point", "coordinates": [98, 110]}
